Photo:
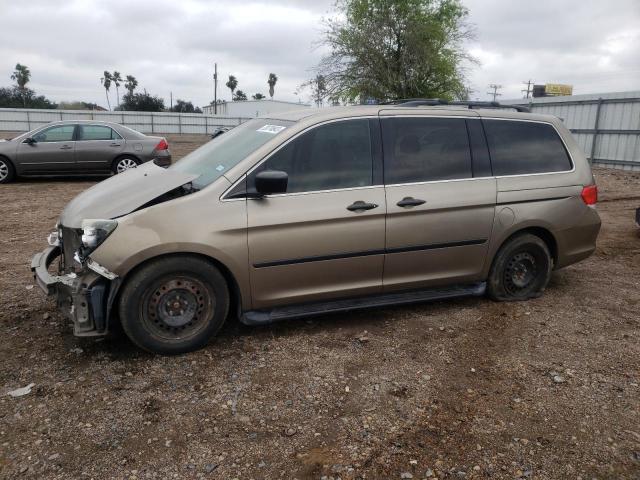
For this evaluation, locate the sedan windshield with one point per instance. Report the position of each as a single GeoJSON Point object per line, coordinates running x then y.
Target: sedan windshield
{"type": "Point", "coordinates": [224, 152]}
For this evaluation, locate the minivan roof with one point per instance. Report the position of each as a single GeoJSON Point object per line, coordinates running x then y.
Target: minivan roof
{"type": "Point", "coordinates": [331, 113]}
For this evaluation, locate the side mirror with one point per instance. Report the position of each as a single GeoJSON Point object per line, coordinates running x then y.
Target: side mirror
{"type": "Point", "coordinates": [271, 181]}
{"type": "Point", "coordinates": [30, 140]}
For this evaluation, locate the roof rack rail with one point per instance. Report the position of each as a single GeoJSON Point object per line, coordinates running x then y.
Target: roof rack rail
{"type": "Point", "coordinates": [434, 102]}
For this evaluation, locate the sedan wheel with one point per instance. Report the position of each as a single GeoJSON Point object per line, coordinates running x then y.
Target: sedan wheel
{"type": "Point", "coordinates": [6, 171]}
{"type": "Point", "coordinates": [125, 164]}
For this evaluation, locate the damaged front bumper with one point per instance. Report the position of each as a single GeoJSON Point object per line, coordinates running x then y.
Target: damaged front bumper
{"type": "Point", "coordinates": [85, 298]}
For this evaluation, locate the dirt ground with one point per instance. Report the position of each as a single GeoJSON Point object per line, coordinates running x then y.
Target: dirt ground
{"type": "Point", "coordinates": [547, 389]}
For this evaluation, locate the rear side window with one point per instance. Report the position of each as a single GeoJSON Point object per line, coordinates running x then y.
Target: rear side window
{"type": "Point", "coordinates": [521, 148]}
{"type": "Point", "coordinates": [97, 132]}
{"type": "Point", "coordinates": [332, 156]}
{"type": "Point", "coordinates": [425, 149]}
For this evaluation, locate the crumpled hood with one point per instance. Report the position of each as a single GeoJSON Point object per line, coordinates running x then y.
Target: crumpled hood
{"type": "Point", "coordinates": [123, 193]}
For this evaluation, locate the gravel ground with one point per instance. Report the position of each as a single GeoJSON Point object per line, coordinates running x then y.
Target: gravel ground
{"type": "Point", "coordinates": [547, 389]}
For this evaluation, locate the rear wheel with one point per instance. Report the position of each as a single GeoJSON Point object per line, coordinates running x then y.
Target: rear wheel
{"type": "Point", "coordinates": [123, 164]}
{"type": "Point", "coordinates": [521, 270]}
{"type": "Point", "coordinates": [174, 305]}
{"type": "Point", "coordinates": [7, 172]}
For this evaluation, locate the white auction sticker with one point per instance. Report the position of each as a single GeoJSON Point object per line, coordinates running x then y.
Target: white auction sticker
{"type": "Point", "coordinates": [271, 129]}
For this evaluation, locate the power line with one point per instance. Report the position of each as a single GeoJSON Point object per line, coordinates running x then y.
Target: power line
{"type": "Point", "coordinates": [529, 89]}
{"type": "Point", "coordinates": [495, 93]}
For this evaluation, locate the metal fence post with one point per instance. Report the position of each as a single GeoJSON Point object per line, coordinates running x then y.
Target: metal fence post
{"type": "Point", "coordinates": [28, 122]}
{"type": "Point", "coordinates": [152, 123]}
{"type": "Point", "coordinates": [206, 125]}
{"type": "Point", "coordinates": [180, 124]}
{"type": "Point", "coordinates": [596, 130]}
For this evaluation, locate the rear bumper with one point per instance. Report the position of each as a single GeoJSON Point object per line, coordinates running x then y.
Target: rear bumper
{"type": "Point", "coordinates": [579, 241]}
{"type": "Point", "coordinates": [82, 298]}
{"type": "Point", "coordinates": [162, 158]}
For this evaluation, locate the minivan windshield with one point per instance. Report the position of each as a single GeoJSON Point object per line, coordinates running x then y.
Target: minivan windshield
{"type": "Point", "coordinates": [222, 153]}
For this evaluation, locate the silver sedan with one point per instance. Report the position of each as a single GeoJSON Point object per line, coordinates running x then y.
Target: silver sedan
{"type": "Point", "coordinates": [79, 148]}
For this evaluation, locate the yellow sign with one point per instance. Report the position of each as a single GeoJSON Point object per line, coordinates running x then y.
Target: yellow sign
{"type": "Point", "coordinates": [557, 89]}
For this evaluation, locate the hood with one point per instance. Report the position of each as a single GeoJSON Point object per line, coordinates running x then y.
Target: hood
{"type": "Point", "coordinates": [123, 193]}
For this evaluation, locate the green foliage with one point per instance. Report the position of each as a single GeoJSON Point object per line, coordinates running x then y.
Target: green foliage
{"type": "Point", "coordinates": [131, 84]}
{"type": "Point", "coordinates": [106, 83]}
{"type": "Point", "coordinates": [185, 107]}
{"type": "Point", "coordinates": [240, 96]}
{"type": "Point", "coordinates": [21, 75]}
{"type": "Point", "coordinates": [16, 97]}
{"type": "Point", "coordinates": [232, 84]}
{"type": "Point", "coordinates": [258, 96]}
{"type": "Point", "coordinates": [116, 79]}
{"type": "Point", "coordinates": [78, 105]}
{"type": "Point", "coordinates": [392, 49]}
{"type": "Point", "coordinates": [142, 102]}
{"type": "Point", "coordinates": [273, 78]}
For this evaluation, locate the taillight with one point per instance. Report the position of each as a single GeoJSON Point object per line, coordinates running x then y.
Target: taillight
{"type": "Point", "coordinates": [163, 145]}
{"type": "Point", "coordinates": [590, 194]}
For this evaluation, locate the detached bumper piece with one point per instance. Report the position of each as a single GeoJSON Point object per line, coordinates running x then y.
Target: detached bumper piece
{"type": "Point", "coordinates": [81, 297]}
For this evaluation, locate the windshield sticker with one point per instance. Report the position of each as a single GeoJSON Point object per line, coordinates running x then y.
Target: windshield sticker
{"type": "Point", "coordinates": [273, 129]}
{"type": "Point", "coordinates": [220, 168]}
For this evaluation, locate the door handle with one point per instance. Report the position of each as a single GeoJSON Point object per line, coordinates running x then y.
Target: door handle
{"type": "Point", "coordinates": [410, 202]}
{"type": "Point", "coordinates": [66, 147]}
{"type": "Point", "coordinates": [114, 144]}
{"type": "Point", "coordinates": [360, 205]}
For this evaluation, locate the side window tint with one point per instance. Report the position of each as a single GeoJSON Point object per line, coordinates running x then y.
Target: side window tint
{"type": "Point", "coordinates": [425, 149]}
{"type": "Point", "coordinates": [331, 156]}
{"type": "Point", "coordinates": [62, 133]}
{"type": "Point", "coordinates": [520, 148]}
{"type": "Point", "coordinates": [96, 132]}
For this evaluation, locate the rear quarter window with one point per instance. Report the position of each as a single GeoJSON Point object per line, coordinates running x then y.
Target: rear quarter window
{"type": "Point", "coordinates": [521, 148]}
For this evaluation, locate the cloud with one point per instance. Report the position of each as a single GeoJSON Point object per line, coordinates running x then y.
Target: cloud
{"type": "Point", "coordinates": [171, 46]}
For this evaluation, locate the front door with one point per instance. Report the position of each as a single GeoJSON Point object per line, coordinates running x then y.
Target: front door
{"type": "Point", "coordinates": [440, 201]}
{"type": "Point", "coordinates": [52, 151]}
{"type": "Point", "coordinates": [324, 237]}
{"type": "Point", "coordinates": [96, 147]}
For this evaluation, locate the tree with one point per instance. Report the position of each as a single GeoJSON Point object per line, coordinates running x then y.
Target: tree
{"type": "Point", "coordinates": [386, 50]}
{"type": "Point", "coordinates": [318, 89]}
{"type": "Point", "coordinates": [106, 83]}
{"type": "Point", "coordinates": [15, 97]}
{"type": "Point", "coordinates": [116, 78]}
{"type": "Point", "coordinates": [185, 107]}
{"type": "Point", "coordinates": [240, 96]}
{"type": "Point", "coordinates": [131, 84]}
{"type": "Point", "coordinates": [258, 96]}
{"type": "Point", "coordinates": [142, 102]}
{"type": "Point", "coordinates": [232, 84]}
{"type": "Point", "coordinates": [21, 75]}
{"type": "Point", "coordinates": [273, 78]}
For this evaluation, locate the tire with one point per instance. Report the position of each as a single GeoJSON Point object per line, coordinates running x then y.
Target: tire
{"type": "Point", "coordinates": [174, 305]}
{"type": "Point", "coordinates": [7, 171]}
{"type": "Point", "coordinates": [122, 164]}
{"type": "Point", "coordinates": [521, 269]}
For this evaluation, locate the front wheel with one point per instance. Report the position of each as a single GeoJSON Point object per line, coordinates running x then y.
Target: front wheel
{"type": "Point", "coordinates": [123, 164]}
{"type": "Point", "coordinates": [521, 269]}
{"type": "Point", "coordinates": [174, 305]}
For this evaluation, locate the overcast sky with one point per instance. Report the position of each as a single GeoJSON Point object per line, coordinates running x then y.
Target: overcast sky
{"type": "Point", "coordinates": [170, 45]}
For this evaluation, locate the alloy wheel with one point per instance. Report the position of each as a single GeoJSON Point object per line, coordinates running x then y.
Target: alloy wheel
{"type": "Point", "coordinates": [125, 164]}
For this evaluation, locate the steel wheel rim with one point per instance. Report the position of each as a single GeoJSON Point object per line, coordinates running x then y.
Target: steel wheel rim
{"type": "Point", "coordinates": [520, 273]}
{"type": "Point", "coordinates": [4, 170]}
{"type": "Point", "coordinates": [126, 164]}
{"type": "Point", "coordinates": [177, 308]}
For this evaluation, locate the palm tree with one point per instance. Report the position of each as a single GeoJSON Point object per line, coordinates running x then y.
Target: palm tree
{"type": "Point", "coordinates": [116, 78]}
{"type": "Point", "coordinates": [273, 78]}
{"type": "Point", "coordinates": [258, 96]}
{"type": "Point", "coordinates": [232, 84]}
{"type": "Point", "coordinates": [106, 83]}
{"type": "Point", "coordinates": [21, 76]}
{"type": "Point", "coordinates": [240, 96]}
{"type": "Point", "coordinates": [131, 84]}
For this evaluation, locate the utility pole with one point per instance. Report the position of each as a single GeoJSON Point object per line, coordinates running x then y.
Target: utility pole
{"type": "Point", "coordinates": [215, 88]}
{"type": "Point", "coordinates": [529, 89]}
{"type": "Point", "coordinates": [171, 100]}
{"type": "Point", "coordinates": [495, 93]}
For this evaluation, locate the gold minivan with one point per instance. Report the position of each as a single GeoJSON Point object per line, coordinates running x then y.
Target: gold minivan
{"type": "Point", "coordinates": [325, 210]}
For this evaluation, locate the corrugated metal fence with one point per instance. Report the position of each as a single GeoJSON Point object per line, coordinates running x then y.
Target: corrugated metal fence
{"type": "Point", "coordinates": [606, 126]}
{"type": "Point", "coordinates": [23, 120]}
